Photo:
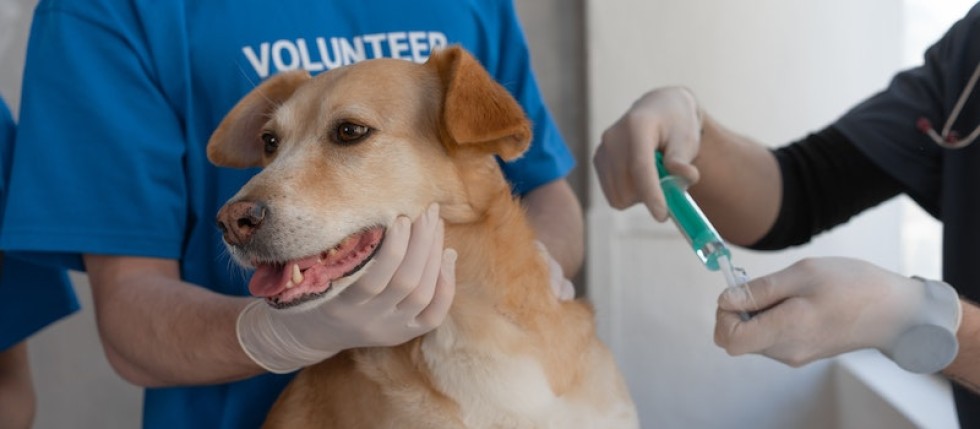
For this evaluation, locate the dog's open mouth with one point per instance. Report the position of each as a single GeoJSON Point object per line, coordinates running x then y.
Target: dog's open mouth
{"type": "Point", "coordinates": [289, 283]}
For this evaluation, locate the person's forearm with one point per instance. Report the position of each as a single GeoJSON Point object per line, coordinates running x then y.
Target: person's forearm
{"type": "Point", "coordinates": [965, 369]}
{"type": "Point", "coordinates": [556, 217]}
{"type": "Point", "coordinates": [160, 331]}
{"type": "Point", "coordinates": [16, 389]}
{"type": "Point", "coordinates": [740, 188]}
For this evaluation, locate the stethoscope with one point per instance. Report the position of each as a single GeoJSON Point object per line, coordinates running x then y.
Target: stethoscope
{"type": "Point", "coordinates": [948, 138]}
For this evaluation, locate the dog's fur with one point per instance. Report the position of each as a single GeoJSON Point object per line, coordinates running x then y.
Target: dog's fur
{"type": "Point", "coordinates": [509, 355]}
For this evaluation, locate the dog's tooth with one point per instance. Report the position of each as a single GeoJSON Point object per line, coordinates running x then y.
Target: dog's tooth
{"type": "Point", "coordinates": [290, 284]}
{"type": "Point", "coordinates": [332, 252]}
{"type": "Point", "coordinates": [297, 274]}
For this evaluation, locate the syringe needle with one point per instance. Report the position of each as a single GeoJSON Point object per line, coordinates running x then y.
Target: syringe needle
{"type": "Point", "coordinates": [734, 277]}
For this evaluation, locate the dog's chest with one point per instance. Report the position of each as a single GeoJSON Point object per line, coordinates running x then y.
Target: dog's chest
{"type": "Point", "coordinates": [495, 389]}
{"type": "Point", "coordinates": [491, 390]}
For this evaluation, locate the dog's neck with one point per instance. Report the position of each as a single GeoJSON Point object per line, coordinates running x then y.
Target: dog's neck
{"type": "Point", "coordinates": [504, 303]}
{"type": "Point", "coordinates": [498, 260]}
{"type": "Point", "coordinates": [497, 255]}
{"type": "Point", "coordinates": [499, 266]}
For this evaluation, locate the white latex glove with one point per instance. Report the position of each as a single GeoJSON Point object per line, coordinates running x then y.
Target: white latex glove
{"type": "Point", "coordinates": [822, 307]}
{"type": "Point", "coordinates": [560, 286]}
{"type": "Point", "coordinates": [665, 119]}
{"type": "Point", "coordinates": [406, 292]}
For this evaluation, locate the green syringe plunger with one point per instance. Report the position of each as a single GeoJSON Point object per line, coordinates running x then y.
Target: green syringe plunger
{"type": "Point", "coordinates": [686, 214]}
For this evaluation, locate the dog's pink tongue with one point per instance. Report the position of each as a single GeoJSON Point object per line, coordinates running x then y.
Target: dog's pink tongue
{"type": "Point", "coordinates": [318, 270]}
{"type": "Point", "coordinates": [268, 280]}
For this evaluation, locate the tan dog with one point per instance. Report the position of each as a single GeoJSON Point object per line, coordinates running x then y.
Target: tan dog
{"type": "Point", "coordinates": [356, 147]}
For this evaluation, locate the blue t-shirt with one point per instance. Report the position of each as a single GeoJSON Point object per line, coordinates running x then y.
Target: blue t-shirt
{"type": "Point", "coordinates": [33, 296]}
{"type": "Point", "coordinates": [943, 181]}
{"type": "Point", "coordinates": [120, 98]}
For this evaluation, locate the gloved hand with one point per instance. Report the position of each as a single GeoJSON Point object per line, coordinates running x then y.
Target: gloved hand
{"type": "Point", "coordinates": [563, 289]}
{"type": "Point", "coordinates": [666, 119]}
{"type": "Point", "coordinates": [822, 307]}
{"type": "Point", "coordinates": [405, 292]}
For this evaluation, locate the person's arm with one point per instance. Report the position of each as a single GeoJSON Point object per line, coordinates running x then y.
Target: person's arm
{"type": "Point", "coordinates": [965, 369]}
{"type": "Point", "coordinates": [556, 217]}
{"type": "Point", "coordinates": [538, 176]}
{"type": "Point", "coordinates": [740, 189]}
{"type": "Point", "coordinates": [735, 180]}
{"type": "Point", "coordinates": [17, 401]}
{"type": "Point", "coordinates": [160, 331]}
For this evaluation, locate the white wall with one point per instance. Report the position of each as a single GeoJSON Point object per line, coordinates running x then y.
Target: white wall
{"type": "Point", "coordinates": [773, 70]}
{"type": "Point", "coordinates": [13, 38]}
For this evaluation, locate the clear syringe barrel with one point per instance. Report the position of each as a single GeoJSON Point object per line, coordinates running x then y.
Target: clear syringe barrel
{"type": "Point", "coordinates": [686, 214]}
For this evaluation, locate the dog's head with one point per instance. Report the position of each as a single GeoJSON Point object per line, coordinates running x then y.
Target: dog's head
{"type": "Point", "coordinates": [344, 153]}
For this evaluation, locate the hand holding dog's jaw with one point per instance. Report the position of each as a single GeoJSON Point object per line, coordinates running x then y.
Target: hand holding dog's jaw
{"type": "Point", "coordinates": [405, 292]}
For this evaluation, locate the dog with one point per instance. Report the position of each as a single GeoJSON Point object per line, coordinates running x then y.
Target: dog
{"type": "Point", "coordinates": [358, 146]}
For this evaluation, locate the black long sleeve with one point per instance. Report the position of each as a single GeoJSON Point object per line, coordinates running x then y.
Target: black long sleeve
{"type": "Point", "coordinates": [826, 181]}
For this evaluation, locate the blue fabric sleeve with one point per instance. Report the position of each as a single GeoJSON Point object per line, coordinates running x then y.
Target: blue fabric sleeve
{"type": "Point", "coordinates": [6, 148]}
{"type": "Point", "coordinates": [7, 134]}
{"type": "Point", "coordinates": [33, 297]}
{"type": "Point", "coordinates": [99, 154]}
{"type": "Point", "coordinates": [548, 158]}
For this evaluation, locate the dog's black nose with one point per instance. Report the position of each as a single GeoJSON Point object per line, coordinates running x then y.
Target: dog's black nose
{"type": "Point", "coordinates": [239, 220]}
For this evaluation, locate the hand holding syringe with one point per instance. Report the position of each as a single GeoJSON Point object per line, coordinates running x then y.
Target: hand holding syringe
{"type": "Point", "coordinates": [700, 234]}
{"type": "Point", "coordinates": [925, 342]}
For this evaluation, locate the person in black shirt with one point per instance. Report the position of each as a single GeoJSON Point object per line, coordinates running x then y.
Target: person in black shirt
{"type": "Point", "coordinates": [914, 137]}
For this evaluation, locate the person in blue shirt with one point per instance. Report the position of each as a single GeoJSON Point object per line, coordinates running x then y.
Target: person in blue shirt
{"type": "Point", "coordinates": [22, 283]}
{"type": "Point", "coordinates": [119, 100]}
{"type": "Point", "coordinates": [917, 136]}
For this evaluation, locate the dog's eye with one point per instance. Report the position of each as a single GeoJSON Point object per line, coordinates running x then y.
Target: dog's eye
{"type": "Point", "coordinates": [349, 132]}
{"type": "Point", "coordinates": [271, 142]}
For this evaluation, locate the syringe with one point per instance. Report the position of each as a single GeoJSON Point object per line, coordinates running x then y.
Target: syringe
{"type": "Point", "coordinates": [695, 227]}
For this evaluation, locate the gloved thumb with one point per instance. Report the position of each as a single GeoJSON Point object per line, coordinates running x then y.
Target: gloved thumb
{"type": "Point", "coordinates": [756, 295]}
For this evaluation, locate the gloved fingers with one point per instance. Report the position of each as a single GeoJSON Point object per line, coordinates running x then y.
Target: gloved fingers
{"type": "Point", "coordinates": [442, 298]}
{"type": "Point", "coordinates": [613, 180]}
{"type": "Point", "coordinates": [389, 257]}
{"type": "Point", "coordinates": [562, 288]}
{"type": "Point", "coordinates": [727, 327]}
{"type": "Point", "coordinates": [420, 296]}
{"type": "Point", "coordinates": [677, 166]}
{"type": "Point", "coordinates": [640, 167]}
{"type": "Point", "coordinates": [426, 230]}
{"type": "Point", "coordinates": [566, 290]}
{"type": "Point", "coordinates": [789, 333]}
{"type": "Point", "coordinates": [739, 336]}
{"type": "Point", "coordinates": [624, 161]}
{"type": "Point", "coordinates": [760, 293]}
{"type": "Point", "coordinates": [683, 140]}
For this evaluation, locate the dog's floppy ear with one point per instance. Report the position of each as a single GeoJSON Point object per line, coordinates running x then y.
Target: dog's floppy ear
{"type": "Point", "coordinates": [237, 141]}
{"type": "Point", "coordinates": [477, 111]}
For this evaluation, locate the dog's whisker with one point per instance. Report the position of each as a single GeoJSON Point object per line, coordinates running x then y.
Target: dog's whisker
{"type": "Point", "coordinates": [245, 75]}
{"type": "Point", "coordinates": [234, 268]}
{"type": "Point", "coordinates": [254, 85]}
